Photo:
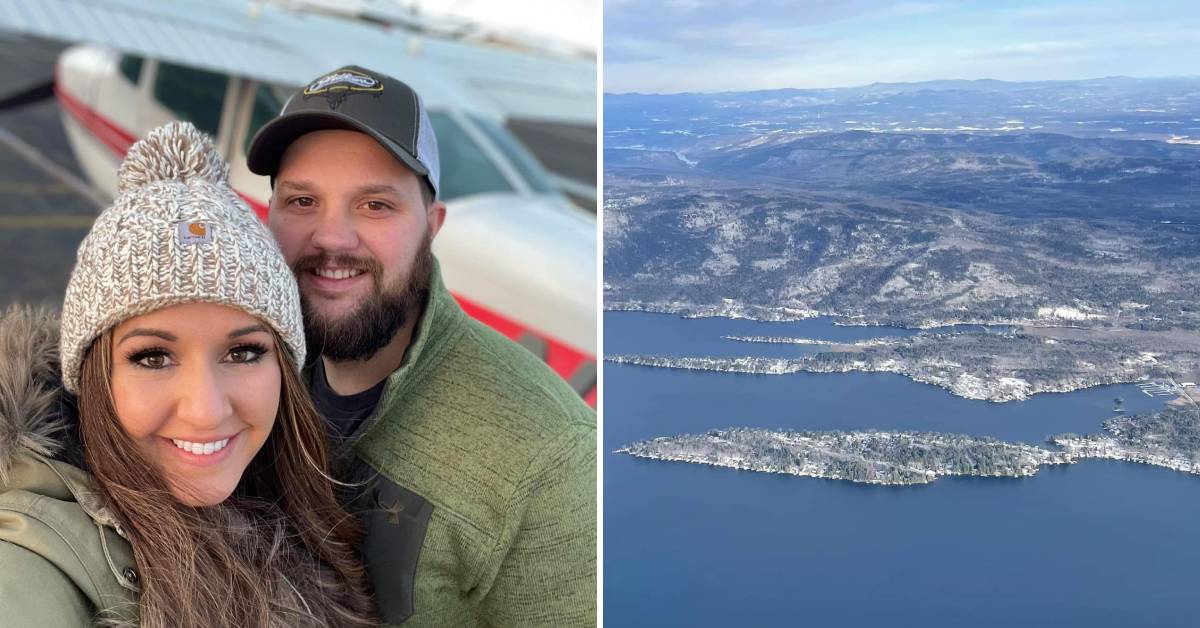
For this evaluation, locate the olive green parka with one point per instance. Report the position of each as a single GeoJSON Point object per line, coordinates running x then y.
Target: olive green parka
{"type": "Point", "coordinates": [63, 561]}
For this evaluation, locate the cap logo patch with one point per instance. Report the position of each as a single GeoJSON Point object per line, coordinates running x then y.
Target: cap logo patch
{"type": "Point", "coordinates": [194, 232]}
{"type": "Point", "coordinates": [336, 86]}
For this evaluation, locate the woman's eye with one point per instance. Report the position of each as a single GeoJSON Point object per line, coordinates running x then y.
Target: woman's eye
{"type": "Point", "coordinates": [154, 361]}
{"type": "Point", "coordinates": [246, 355]}
{"type": "Point", "coordinates": [151, 359]}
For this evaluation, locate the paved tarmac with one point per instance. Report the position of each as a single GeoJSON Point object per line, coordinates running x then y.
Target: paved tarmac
{"type": "Point", "coordinates": [42, 219]}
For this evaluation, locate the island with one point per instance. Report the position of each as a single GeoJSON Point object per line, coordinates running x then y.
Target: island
{"type": "Point", "coordinates": [1169, 438]}
{"type": "Point", "coordinates": [995, 367]}
{"type": "Point", "coordinates": [869, 457]}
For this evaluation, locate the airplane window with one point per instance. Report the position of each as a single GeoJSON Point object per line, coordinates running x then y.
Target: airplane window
{"type": "Point", "coordinates": [268, 102]}
{"type": "Point", "coordinates": [131, 67]}
{"type": "Point", "coordinates": [465, 170]}
{"type": "Point", "coordinates": [192, 94]}
{"type": "Point", "coordinates": [529, 167]}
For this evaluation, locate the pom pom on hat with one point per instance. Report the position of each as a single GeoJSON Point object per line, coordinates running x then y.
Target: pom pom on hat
{"type": "Point", "coordinates": [177, 152]}
{"type": "Point", "coordinates": [176, 233]}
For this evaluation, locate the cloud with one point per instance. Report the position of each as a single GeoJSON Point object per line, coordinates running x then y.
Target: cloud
{"type": "Point", "coordinates": [619, 50]}
{"type": "Point", "coordinates": [754, 30]}
{"type": "Point", "coordinates": [701, 45]}
{"type": "Point", "coordinates": [1029, 49]}
{"type": "Point", "coordinates": [569, 21]}
{"type": "Point", "coordinates": [678, 21]}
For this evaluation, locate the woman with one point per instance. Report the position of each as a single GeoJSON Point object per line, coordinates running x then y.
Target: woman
{"type": "Point", "coordinates": [201, 496]}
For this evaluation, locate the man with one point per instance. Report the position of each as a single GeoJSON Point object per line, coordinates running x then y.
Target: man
{"type": "Point", "coordinates": [480, 461]}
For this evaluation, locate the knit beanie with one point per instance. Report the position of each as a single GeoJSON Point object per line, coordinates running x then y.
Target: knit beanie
{"type": "Point", "coordinates": [176, 233]}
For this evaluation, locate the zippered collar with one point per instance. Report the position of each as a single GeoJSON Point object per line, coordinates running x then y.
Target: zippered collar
{"type": "Point", "coordinates": [437, 329]}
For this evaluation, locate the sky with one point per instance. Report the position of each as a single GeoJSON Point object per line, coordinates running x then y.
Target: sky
{"type": "Point", "coordinates": [667, 46]}
{"type": "Point", "coordinates": [572, 22]}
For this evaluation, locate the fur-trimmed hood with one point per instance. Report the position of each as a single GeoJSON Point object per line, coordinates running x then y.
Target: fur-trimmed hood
{"type": "Point", "coordinates": [65, 562]}
{"type": "Point", "coordinates": [35, 414]}
{"type": "Point", "coordinates": [31, 392]}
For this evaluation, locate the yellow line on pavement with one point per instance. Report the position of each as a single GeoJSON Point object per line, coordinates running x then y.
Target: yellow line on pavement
{"type": "Point", "coordinates": [46, 222]}
{"type": "Point", "coordinates": [43, 163]}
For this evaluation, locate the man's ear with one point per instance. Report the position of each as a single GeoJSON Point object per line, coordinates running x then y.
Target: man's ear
{"type": "Point", "coordinates": [436, 215]}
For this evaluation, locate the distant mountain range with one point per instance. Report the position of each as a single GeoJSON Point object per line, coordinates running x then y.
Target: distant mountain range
{"type": "Point", "coordinates": [763, 204]}
{"type": "Point", "coordinates": [1028, 174]}
{"type": "Point", "coordinates": [1140, 108]}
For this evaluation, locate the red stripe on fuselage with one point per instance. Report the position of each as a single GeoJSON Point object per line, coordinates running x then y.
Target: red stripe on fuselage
{"type": "Point", "coordinates": [259, 209]}
{"type": "Point", "coordinates": [117, 140]}
{"type": "Point", "coordinates": [560, 357]}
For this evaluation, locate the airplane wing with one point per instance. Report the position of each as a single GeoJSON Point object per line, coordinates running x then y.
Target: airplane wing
{"type": "Point", "coordinates": [287, 44]}
{"type": "Point", "coordinates": [188, 33]}
{"type": "Point", "coordinates": [279, 44]}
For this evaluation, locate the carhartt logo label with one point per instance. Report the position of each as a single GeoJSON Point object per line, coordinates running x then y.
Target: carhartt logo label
{"type": "Point", "coordinates": [194, 232]}
{"type": "Point", "coordinates": [335, 87]}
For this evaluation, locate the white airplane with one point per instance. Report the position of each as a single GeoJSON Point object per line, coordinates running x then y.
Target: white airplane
{"type": "Point", "coordinates": [516, 254]}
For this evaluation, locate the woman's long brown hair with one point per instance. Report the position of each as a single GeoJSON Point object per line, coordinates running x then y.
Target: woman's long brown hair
{"type": "Point", "coordinates": [279, 552]}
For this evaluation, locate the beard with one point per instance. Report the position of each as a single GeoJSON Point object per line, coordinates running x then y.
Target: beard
{"type": "Point", "coordinates": [362, 332]}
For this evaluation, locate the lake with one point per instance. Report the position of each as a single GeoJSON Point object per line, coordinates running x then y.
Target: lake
{"type": "Point", "coordinates": [1100, 543]}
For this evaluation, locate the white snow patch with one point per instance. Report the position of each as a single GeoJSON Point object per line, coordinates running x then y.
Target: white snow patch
{"type": "Point", "coordinates": [1067, 313]}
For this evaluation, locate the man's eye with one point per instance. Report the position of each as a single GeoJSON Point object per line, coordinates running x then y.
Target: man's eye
{"type": "Point", "coordinates": [378, 206]}
{"type": "Point", "coordinates": [303, 201]}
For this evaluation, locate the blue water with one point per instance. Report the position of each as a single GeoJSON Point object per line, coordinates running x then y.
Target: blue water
{"type": "Point", "coordinates": [667, 334]}
{"type": "Point", "coordinates": [1101, 543]}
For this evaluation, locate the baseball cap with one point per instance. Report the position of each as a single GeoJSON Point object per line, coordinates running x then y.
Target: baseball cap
{"type": "Point", "coordinates": [355, 99]}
